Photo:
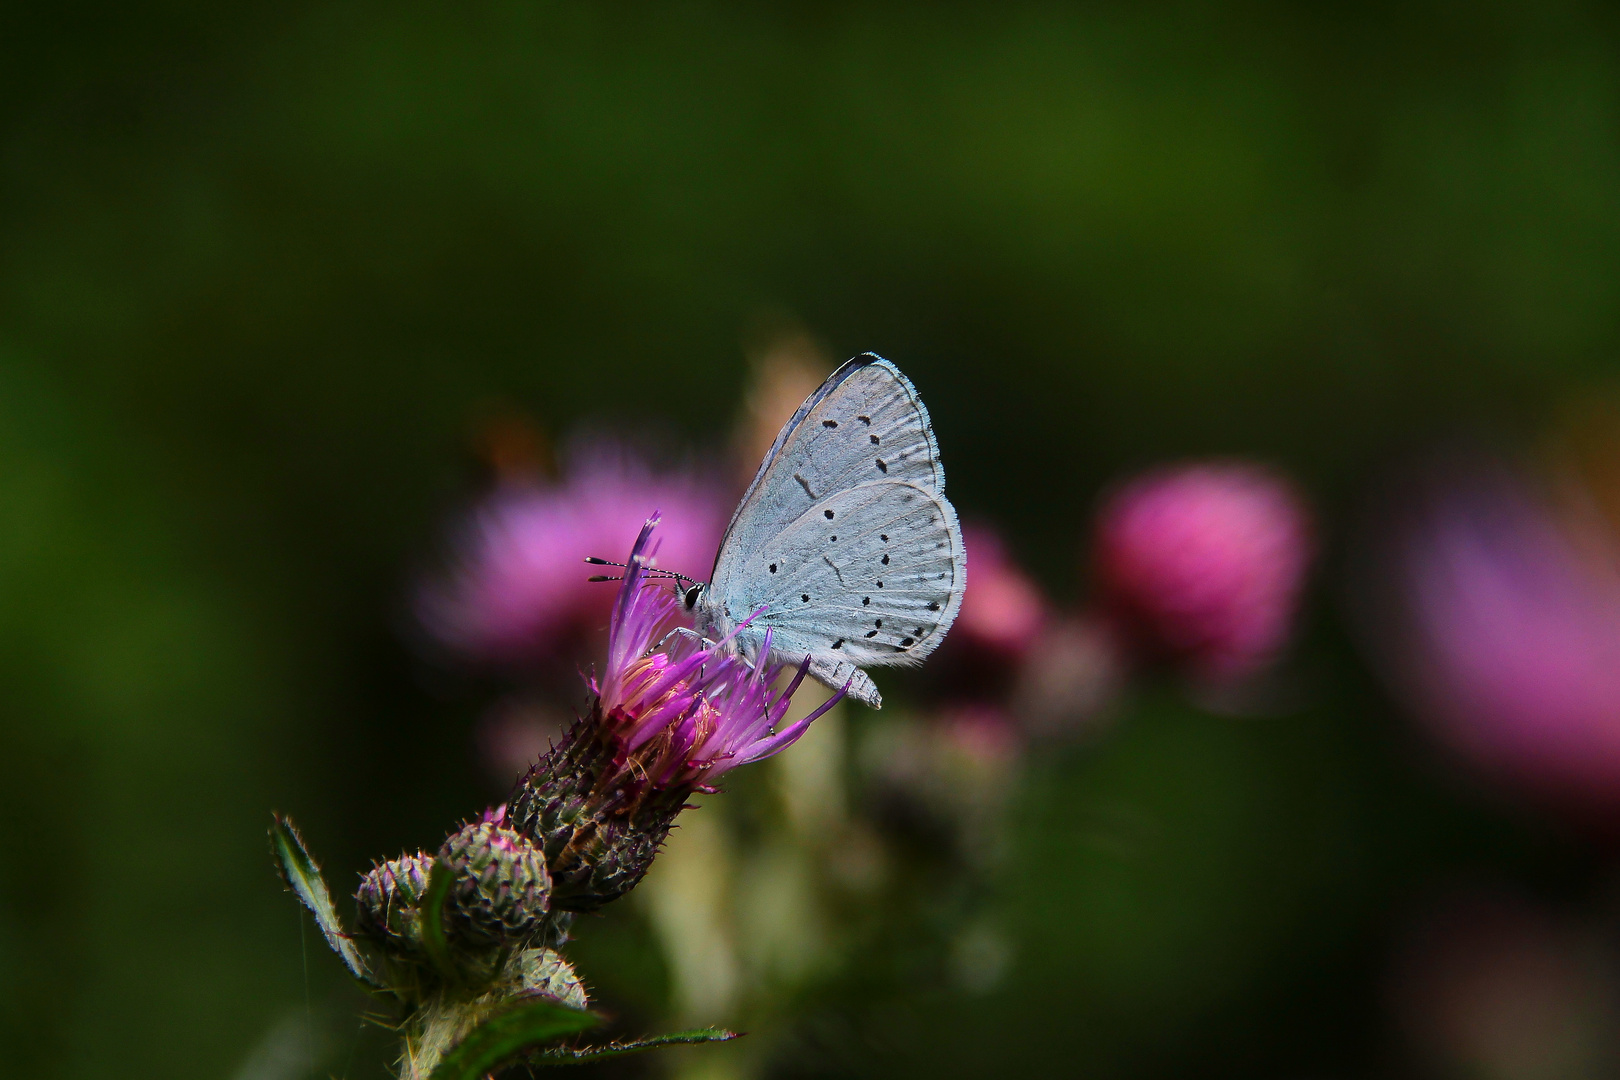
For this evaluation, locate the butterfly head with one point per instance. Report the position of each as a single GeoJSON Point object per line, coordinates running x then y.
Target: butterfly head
{"type": "Point", "coordinates": [688, 590]}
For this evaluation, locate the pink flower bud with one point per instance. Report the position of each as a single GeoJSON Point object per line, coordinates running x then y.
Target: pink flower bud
{"type": "Point", "coordinates": [1203, 564]}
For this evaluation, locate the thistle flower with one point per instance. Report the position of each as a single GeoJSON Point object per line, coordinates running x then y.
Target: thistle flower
{"type": "Point", "coordinates": [1501, 627]}
{"type": "Point", "coordinates": [515, 589]}
{"type": "Point", "coordinates": [1003, 610]}
{"type": "Point", "coordinates": [1202, 565]}
{"type": "Point", "coordinates": [671, 714]}
{"type": "Point", "coordinates": [1003, 619]}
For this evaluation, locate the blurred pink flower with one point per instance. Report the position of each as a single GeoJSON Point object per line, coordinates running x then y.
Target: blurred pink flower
{"type": "Point", "coordinates": [519, 582]}
{"type": "Point", "coordinates": [1505, 635]}
{"type": "Point", "coordinates": [1002, 609]}
{"type": "Point", "coordinates": [1203, 565]}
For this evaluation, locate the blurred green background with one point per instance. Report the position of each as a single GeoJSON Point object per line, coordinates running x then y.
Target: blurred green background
{"type": "Point", "coordinates": [262, 267]}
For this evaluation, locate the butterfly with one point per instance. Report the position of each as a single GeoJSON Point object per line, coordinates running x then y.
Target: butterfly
{"type": "Point", "coordinates": [844, 546]}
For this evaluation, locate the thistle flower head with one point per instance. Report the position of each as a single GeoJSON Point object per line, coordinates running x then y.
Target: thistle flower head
{"type": "Point", "coordinates": [1003, 610]}
{"type": "Point", "coordinates": [515, 589]}
{"type": "Point", "coordinates": [1501, 626]}
{"type": "Point", "coordinates": [672, 713]}
{"type": "Point", "coordinates": [501, 888]}
{"type": "Point", "coordinates": [687, 709]}
{"type": "Point", "coordinates": [1203, 565]}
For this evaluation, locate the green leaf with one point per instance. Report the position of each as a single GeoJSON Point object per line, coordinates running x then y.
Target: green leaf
{"type": "Point", "coordinates": [509, 1034]}
{"type": "Point", "coordinates": [303, 877]}
{"type": "Point", "coordinates": [563, 1055]}
{"type": "Point", "coordinates": [434, 942]}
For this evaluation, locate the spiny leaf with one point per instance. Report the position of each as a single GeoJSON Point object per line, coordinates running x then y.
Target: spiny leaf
{"type": "Point", "coordinates": [509, 1034]}
{"type": "Point", "coordinates": [303, 877]}
{"type": "Point", "coordinates": [434, 941]}
{"type": "Point", "coordinates": [563, 1055]}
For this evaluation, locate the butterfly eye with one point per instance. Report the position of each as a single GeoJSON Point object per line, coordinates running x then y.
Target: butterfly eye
{"type": "Point", "coordinates": [691, 597]}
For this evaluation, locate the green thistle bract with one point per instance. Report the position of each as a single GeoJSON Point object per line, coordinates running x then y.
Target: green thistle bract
{"type": "Point", "coordinates": [501, 890]}
{"type": "Point", "coordinates": [387, 901]}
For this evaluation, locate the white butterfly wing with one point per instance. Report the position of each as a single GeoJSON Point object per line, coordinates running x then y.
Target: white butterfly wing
{"type": "Point", "coordinates": [871, 575]}
{"type": "Point", "coordinates": [858, 463]}
{"type": "Point", "coordinates": [864, 423]}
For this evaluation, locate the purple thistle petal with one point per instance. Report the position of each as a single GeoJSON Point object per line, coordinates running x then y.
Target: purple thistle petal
{"type": "Point", "coordinates": [776, 707]}
{"type": "Point", "coordinates": [682, 711]}
{"type": "Point", "coordinates": [764, 748]}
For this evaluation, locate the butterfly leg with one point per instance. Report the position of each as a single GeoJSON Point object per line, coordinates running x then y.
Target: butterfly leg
{"type": "Point", "coordinates": [835, 673]}
{"type": "Point", "coordinates": [689, 634]}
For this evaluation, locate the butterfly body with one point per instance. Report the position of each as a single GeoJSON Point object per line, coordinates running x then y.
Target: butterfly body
{"type": "Point", "coordinates": [844, 547]}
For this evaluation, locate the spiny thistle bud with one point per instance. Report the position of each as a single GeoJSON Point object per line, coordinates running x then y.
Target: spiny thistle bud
{"type": "Point", "coordinates": [387, 901]}
{"type": "Point", "coordinates": [501, 890]}
{"type": "Point", "coordinates": [544, 973]}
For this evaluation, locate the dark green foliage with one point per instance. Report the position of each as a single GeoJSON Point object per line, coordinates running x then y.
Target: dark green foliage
{"type": "Point", "coordinates": [303, 877]}
{"type": "Point", "coordinates": [435, 942]}
{"type": "Point", "coordinates": [571, 1056]}
{"type": "Point", "coordinates": [507, 1035]}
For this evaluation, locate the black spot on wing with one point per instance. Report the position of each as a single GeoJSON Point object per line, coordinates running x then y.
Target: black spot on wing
{"type": "Point", "coordinates": [828, 514]}
{"type": "Point", "coordinates": [805, 597]}
{"type": "Point", "coordinates": [883, 467]}
{"type": "Point", "coordinates": [829, 423]}
{"type": "Point", "coordinates": [773, 568]}
{"type": "Point", "coordinates": [867, 420]}
{"type": "Point", "coordinates": [875, 440]}
{"type": "Point", "coordinates": [871, 633]}
{"type": "Point", "coordinates": [839, 644]}
{"type": "Point", "coordinates": [885, 560]}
